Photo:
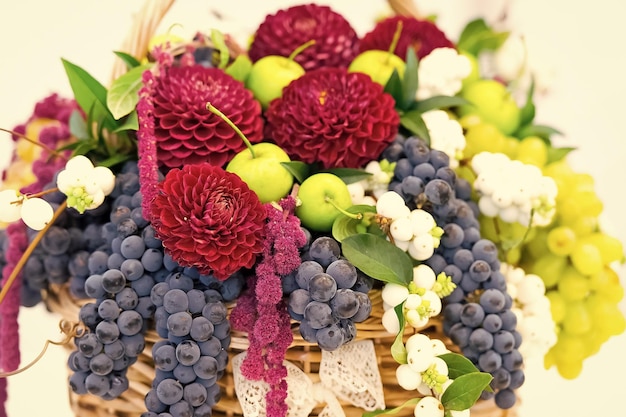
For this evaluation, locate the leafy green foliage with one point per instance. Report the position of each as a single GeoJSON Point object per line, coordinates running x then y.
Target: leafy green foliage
{"type": "Point", "coordinates": [220, 44]}
{"type": "Point", "coordinates": [465, 390]}
{"type": "Point", "coordinates": [378, 258]}
{"type": "Point", "coordinates": [398, 350]}
{"type": "Point", "coordinates": [130, 61]}
{"type": "Point", "coordinates": [122, 96]}
{"type": "Point", "coordinates": [345, 226]}
{"type": "Point", "coordinates": [477, 37]}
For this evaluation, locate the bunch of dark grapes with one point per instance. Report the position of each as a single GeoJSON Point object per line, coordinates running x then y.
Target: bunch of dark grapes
{"type": "Point", "coordinates": [192, 357]}
{"type": "Point", "coordinates": [61, 255]}
{"type": "Point", "coordinates": [121, 274]}
{"type": "Point", "coordinates": [477, 314]}
{"type": "Point", "coordinates": [327, 295]}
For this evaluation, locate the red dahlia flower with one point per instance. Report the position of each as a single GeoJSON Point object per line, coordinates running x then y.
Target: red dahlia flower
{"type": "Point", "coordinates": [186, 132]}
{"type": "Point", "coordinates": [209, 219]}
{"type": "Point", "coordinates": [329, 115]}
{"type": "Point", "coordinates": [422, 35]}
{"type": "Point", "coordinates": [336, 42]}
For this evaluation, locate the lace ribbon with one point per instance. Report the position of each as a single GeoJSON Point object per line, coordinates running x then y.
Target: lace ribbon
{"type": "Point", "coordinates": [349, 373]}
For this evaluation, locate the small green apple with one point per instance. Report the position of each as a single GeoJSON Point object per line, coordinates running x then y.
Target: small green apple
{"type": "Point", "coordinates": [379, 65]}
{"type": "Point", "coordinates": [322, 195]}
{"type": "Point", "coordinates": [269, 75]}
{"type": "Point", "coordinates": [493, 102]}
{"type": "Point", "coordinates": [474, 74]}
{"type": "Point", "coordinates": [263, 172]}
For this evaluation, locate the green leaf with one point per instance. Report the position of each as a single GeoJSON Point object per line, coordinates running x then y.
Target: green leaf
{"type": "Point", "coordinates": [409, 82]}
{"type": "Point", "coordinates": [84, 146]}
{"type": "Point", "coordinates": [130, 61]}
{"type": "Point", "coordinates": [130, 123]}
{"type": "Point", "coordinates": [378, 258]}
{"type": "Point", "coordinates": [122, 96]}
{"type": "Point", "coordinates": [349, 175]}
{"type": "Point", "coordinates": [345, 226]}
{"type": "Point", "coordinates": [78, 126]}
{"type": "Point", "coordinates": [114, 160]}
{"type": "Point", "coordinates": [440, 102]}
{"type": "Point", "coordinates": [240, 68]}
{"type": "Point", "coordinates": [414, 123]}
{"type": "Point", "coordinates": [458, 365]}
{"type": "Point", "coordinates": [556, 154]}
{"type": "Point", "coordinates": [542, 131]}
{"type": "Point", "coordinates": [220, 44]}
{"type": "Point", "coordinates": [477, 37]}
{"type": "Point", "coordinates": [527, 113]}
{"type": "Point", "coordinates": [398, 350]}
{"type": "Point", "coordinates": [465, 390]}
{"type": "Point", "coordinates": [298, 169]}
{"type": "Point", "coordinates": [90, 95]}
{"type": "Point", "coordinates": [412, 402]}
{"type": "Point", "coordinates": [394, 88]}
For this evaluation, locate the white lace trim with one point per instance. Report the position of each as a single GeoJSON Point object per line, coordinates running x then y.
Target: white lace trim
{"type": "Point", "coordinates": [350, 373]}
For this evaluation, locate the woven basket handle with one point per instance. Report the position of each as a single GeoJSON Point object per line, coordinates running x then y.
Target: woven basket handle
{"type": "Point", "coordinates": [148, 18]}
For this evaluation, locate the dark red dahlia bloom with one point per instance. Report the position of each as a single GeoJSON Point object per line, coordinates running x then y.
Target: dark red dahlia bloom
{"type": "Point", "coordinates": [329, 115]}
{"type": "Point", "coordinates": [422, 35]}
{"type": "Point", "coordinates": [336, 42]}
{"type": "Point", "coordinates": [209, 219]}
{"type": "Point", "coordinates": [186, 132]}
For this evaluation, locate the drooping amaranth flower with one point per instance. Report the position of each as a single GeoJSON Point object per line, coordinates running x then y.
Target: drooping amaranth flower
{"type": "Point", "coordinates": [209, 219]}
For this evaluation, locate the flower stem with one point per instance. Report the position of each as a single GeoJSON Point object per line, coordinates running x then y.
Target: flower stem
{"type": "Point", "coordinates": [34, 142]}
{"type": "Point", "coordinates": [243, 137]}
{"type": "Point", "coordinates": [31, 247]}
{"type": "Point", "coordinates": [300, 48]}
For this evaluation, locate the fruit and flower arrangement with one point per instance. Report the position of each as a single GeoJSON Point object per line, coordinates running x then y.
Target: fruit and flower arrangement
{"type": "Point", "coordinates": [306, 190]}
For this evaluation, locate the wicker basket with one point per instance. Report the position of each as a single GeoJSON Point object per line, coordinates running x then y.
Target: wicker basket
{"type": "Point", "coordinates": [301, 353]}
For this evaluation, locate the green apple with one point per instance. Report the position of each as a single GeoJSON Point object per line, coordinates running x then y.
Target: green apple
{"type": "Point", "coordinates": [322, 196]}
{"type": "Point", "coordinates": [263, 172]}
{"type": "Point", "coordinates": [493, 102]}
{"type": "Point", "coordinates": [269, 75]}
{"type": "Point", "coordinates": [379, 65]}
{"type": "Point", "coordinates": [474, 75]}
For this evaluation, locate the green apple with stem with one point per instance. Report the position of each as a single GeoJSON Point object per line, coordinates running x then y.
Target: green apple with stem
{"type": "Point", "coordinates": [270, 74]}
{"type": "Point", "coordinates": [323, 197]}
{"type": "Point", "coordinates": [259, 165]}
{"type": "Point", "coordinates": [493, 103]}
{"type": "Point", "coordinates": [378, 64]}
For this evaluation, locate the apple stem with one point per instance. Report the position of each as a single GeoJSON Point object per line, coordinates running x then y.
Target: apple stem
{"type": "Point", "coordinates": [395, 39]}
{"type": "Point", "coordinates": [300, 48]}
{"type": "Point", "coordinates": [243, 137]}
{"type": "Point", "coordinates": [356, 216]}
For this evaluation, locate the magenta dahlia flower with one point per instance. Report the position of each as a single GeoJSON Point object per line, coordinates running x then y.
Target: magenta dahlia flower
{"type": "Point", "coordinates": [422, 35]}
{"type": "Point", "coordinates": [186, 132]}
{"type": "Point", "coordinates": [329, 115]}
{"type": "Point", "coordinates": [336, 42]}
{"type": "Point", "coordinates": [209, 219]}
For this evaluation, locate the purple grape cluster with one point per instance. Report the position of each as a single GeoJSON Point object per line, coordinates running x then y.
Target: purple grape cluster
{"type": "Point", "coordinates": [121, 274]}
{"type": "Point", "coordinates": [477, 315]}
{"type": "Point", "coordinates": [192, 357]}
{"type": "Point", "coordinates": [328, 295]}
{"type": "Point", "coordinates": [61, 255]}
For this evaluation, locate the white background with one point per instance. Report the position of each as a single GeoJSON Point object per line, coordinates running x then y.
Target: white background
{"type": "Point", "coordinates": [581, 43]}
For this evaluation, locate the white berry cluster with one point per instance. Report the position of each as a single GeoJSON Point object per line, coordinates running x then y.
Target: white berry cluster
{"type": "Point", "coordinates": [413, 231]}
{"type": "Point", "coordinates": [85, 185]}
{"type": "Point", "coordinates": [368, 190]}
{"type": "Point", "coordinates": [441, 73]}
{"type": "Point", "coordinates": [421, 298]}
{"type": "Point", "coordinates": [446, 135]}
{"type": "Point", "coordinates": [513, 191]}
{"type": "Point", "coordinates": [532, 308]}
{"type": "Point", "coordinates": [426, 373]}
{"type": "Point", "coordinates": [35, 212]}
